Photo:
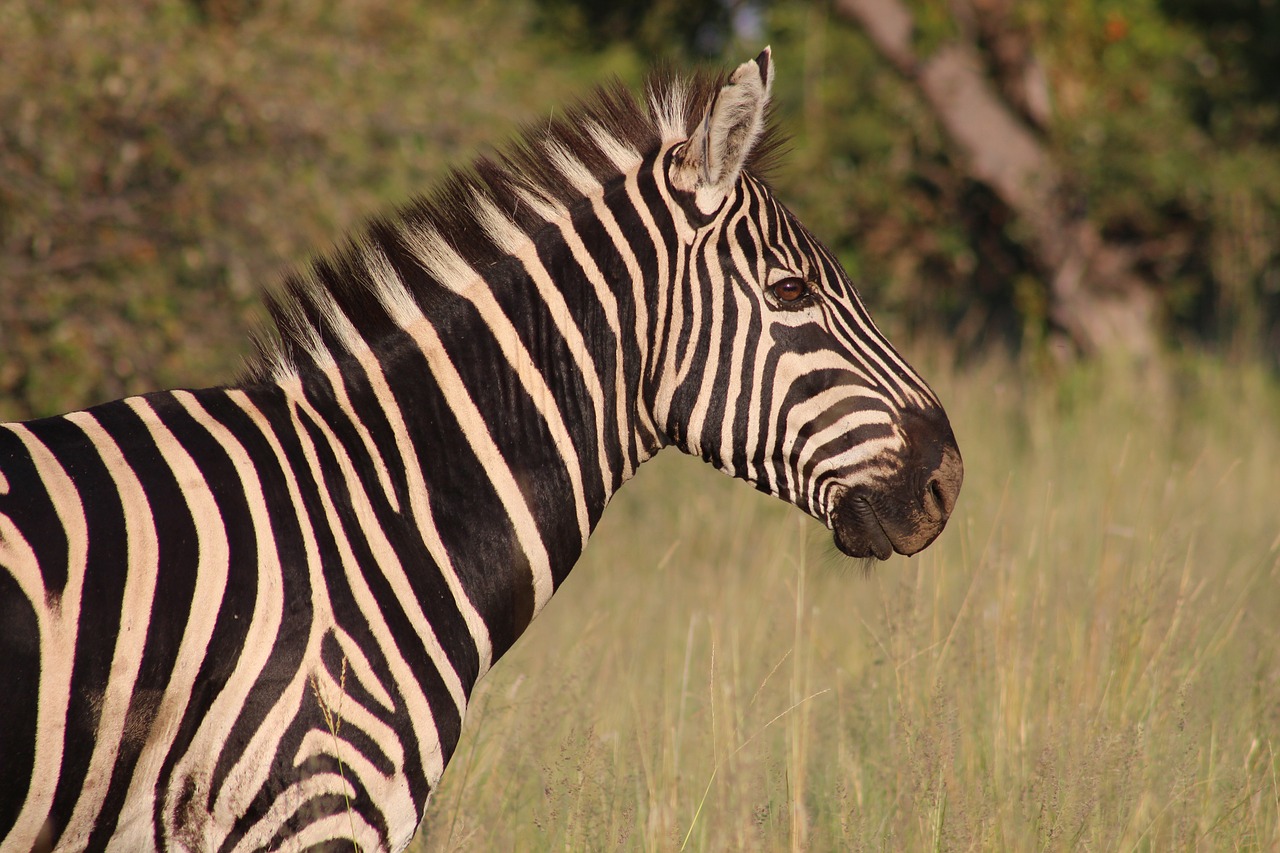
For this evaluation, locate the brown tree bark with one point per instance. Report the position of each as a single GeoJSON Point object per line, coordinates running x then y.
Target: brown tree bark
{"type": "Point", "coordinates": [1095, 295]}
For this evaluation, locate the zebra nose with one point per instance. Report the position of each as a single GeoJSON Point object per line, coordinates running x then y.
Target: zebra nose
{"type": "Point", "coordinates": [932, 475]}
{"type": "Point", "coordinates": [943, 486]}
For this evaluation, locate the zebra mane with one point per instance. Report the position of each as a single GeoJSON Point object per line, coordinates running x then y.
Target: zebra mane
{"type": "Point", "coordinates": [328, 309]}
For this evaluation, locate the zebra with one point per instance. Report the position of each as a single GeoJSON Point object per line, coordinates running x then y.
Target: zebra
{"type": "Point", "coordinates": [250, 617]}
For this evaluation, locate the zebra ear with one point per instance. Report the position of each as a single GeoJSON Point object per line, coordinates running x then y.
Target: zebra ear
{"type": "Point", "coordinates": [712, 158]}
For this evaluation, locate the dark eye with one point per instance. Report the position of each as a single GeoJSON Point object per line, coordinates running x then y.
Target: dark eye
{"type": "Point", "coordinates": [790, 290]}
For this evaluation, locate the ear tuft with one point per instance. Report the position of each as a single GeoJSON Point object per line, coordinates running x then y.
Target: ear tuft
{"type": "Point", "coordinates": [765, 63]}
{"type": "Point", "coordinates": [714, 155]}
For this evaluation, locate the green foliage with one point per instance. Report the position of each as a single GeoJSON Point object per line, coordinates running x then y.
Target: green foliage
{"type": "Point", "coordinates": [161, 162]}
{"type": "Point", "coordinates": [1186, 180]}
{"type": "Point", "coordinates": [1195, 191]}
{"type": "Point", "coordinates": [871, 174]}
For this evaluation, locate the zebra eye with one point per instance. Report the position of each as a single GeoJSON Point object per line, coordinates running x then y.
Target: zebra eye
{"type": "Point", "coordinates": [789, 290]}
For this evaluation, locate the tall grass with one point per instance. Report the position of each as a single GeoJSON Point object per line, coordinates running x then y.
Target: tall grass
{"type": "Point", "coordinates": [1086, 659]}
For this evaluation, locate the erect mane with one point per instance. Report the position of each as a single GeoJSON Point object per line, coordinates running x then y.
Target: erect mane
{"type": "Point", "coordinates": [477, 214]}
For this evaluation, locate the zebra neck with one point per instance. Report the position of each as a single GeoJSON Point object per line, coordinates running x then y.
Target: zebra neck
{"type": "Point", "coordinates": [509, 394]}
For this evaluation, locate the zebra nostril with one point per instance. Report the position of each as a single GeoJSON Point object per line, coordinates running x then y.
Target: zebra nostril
{"type": "Point", "coordinates": [932, 465]}
{"type": "Point", "coordinates": [944, 485]}
{"type": "Point", "coordinates": [939, 499]}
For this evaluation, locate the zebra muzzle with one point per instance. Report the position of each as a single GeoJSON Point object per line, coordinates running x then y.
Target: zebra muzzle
{"type": "Point", "coordinates": [904, 513]}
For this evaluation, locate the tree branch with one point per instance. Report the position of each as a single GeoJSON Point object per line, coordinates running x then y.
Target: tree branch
{"type": "Point", "coordinates": [1095, 295]}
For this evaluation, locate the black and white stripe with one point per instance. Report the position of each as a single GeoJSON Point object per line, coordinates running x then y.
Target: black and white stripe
{"type": "Point", "coordinates": [250, 617]}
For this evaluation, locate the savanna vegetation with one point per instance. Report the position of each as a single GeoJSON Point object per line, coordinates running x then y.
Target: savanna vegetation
{"type": "Point", "coordinates": [1086, 659]}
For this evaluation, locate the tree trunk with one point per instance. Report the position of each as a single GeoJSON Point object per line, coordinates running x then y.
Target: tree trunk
{"type": "Point", "coordinates": [1095, 295]}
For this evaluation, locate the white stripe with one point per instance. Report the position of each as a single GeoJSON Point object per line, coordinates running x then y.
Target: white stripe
{"type": "Point", "coordinates": [135, 615]}
{"type": "Point", "coordinates": [286, 804]}
{"type": "Point", "coordinates": [396, 299]}
{"type": "Point", "coordinates": [609, 302]}
{"type": "Point", "coordinates": [670, 314]}
{"type": "Point", "coordinates": [260, 638]}
{"type": "Point", "coordinates": [249, 773]}
{"type": "Point", "coordinates": [635, 276]}
{"type": "Point", "coordinates": [58, 628]}
{"type": "Point", "coordinates": [354, 344]}
{"type": "Point", "coordinates": [386, 560]}
{"type": "Point", "coordinates": [573, 169]}
{"type": "Point", "coordinates": [437, 257]}
{"type": "Point", "coordinates": [476, 431]}
{"type": "Point", "coordinates": [840, 396]}
{"type": "Point", "coordinates": [711, 325]}
{"type": "Point", "coordinates": [720, 287]}
{"type": "Point", "coordinates": [210, 587]}
{"type": "Point", "coordinates": [565, 323]}
{"type": "Point", "coordinates": [504, 233]}
{"type": "Point", "coordinates": [419, 503]}
{"type": "Point", "coordinates": [358, 664]}
{"type": "Point", "coordinates": [473, 288]}
{"type": "Point", "coordinates": [621, 154]}
{"type": "Point", "coordinates": [540, 202]}
{"type": "Point", "coordinates": [876, 371]}
{"type": "Point", "coordinates": [306, 336]}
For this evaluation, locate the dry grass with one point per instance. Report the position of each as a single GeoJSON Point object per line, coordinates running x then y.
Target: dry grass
{"type": "Point", "coordinates": [1087, 659]}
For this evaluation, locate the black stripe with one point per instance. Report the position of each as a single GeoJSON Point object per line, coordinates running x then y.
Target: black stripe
{"type": "Point", "coordinates": [283, 771]}
{"type": "Point", "coordinates": [28, 506]}
{"type": "Point", "coordinates": [101, 598]}
{"type": "Point", "coordinates": [486, 556]}
{"type": "Point", "coordinates": [517, 296]}
{"type": "Point", "coordinates": [343, 673]}
{"type": "Point", "coordinates": [285, 657]}
{"type": "Point", "coordinates": [235, 608]}
{"type": "Point", "coordinates": [20, 675]}
{"type": "Point", "coordinates": [746, 403]}
{"type": "Point", "coordinates": [651, 195]}
{"type": "Point", "coordinates": [400, 530]}
{"type": "Point", "coordinates": [342, 597]}
{"type": "Point", "coordinates": [522, 435]}
{"type": "Point", "coordinates": [605, 346]}
{"type": "Point", "coordinates": [175, 583]}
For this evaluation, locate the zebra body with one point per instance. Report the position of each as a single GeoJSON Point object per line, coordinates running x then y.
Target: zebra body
{"type": "Point", "coordinates": [194, 690]}
{"type": "Point", "coordinates": [250, 617]}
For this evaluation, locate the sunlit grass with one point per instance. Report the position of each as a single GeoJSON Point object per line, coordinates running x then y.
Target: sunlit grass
{"type": "Point", "coordinates": [1086, 659]}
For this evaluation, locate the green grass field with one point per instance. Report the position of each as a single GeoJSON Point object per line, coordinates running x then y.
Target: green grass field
{"type": "Point", "coordinates": [1086, 659]}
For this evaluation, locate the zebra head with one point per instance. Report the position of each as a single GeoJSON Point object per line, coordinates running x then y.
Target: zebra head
{"type": "Point", "coordinates": [772, 368]}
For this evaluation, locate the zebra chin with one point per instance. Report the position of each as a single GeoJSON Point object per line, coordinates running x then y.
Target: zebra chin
{"type": "Point", "coordinates": [858, 531]}
{"type": "Point", "coordinates": [863, 530]}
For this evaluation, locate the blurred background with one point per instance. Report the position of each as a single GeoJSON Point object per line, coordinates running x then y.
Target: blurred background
{"type": "Point", "coordinates": [1051, 178]}
{"type": "Point", "coordinates": [1066, 213]}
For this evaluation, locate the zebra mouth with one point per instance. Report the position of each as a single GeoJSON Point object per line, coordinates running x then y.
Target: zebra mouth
{"type": "Point", "coordinates": [858, 531]}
